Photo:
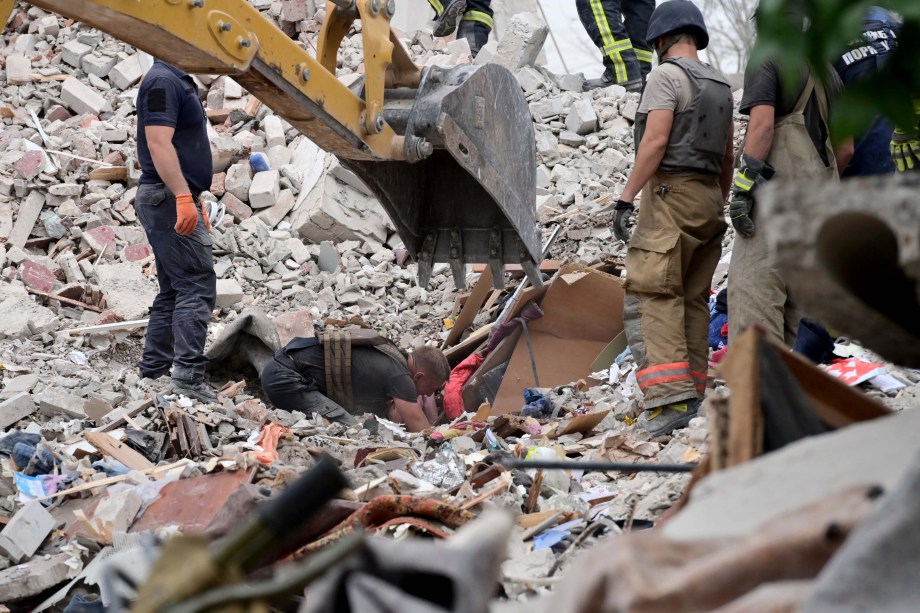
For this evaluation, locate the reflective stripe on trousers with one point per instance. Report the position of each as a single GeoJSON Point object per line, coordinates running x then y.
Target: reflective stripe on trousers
{"type": "Point", "coordinates": [671, 258]}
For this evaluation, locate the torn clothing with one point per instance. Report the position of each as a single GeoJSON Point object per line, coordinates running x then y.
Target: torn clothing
{"type": "Point", "coordinates": [373, 377]}
{"type": "Point", "coordinates": [672, 256]}
{"type": "Point", "coordinates": [756, 290]}
{"type": "Point", "coordinates": [618, 28]}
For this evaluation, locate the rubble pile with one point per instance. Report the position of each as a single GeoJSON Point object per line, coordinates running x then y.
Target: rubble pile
{"type": "Point", "coordinates": [93, 455]}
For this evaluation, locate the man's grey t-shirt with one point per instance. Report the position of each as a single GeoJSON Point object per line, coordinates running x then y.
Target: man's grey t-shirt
{"type": "Point", "coordinates": [375, 377]}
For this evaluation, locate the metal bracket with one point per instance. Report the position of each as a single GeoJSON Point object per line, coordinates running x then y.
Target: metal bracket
{"type": "Point", "coordinates": [232, 36]}
{"type": "Point", "coordinates": [455, 257]}
{"type": "Point", "coordinates": [530, 267]}
{"type": "Point", "coordinates": [426, 259]}
{"type": "Point", "coordinates": [496, 259]}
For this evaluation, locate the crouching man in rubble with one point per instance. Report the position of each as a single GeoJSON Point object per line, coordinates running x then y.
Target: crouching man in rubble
{"type": "Point", "coordinates": [340, 374]}
{"type": "Point", "coordinates": [684, 168]}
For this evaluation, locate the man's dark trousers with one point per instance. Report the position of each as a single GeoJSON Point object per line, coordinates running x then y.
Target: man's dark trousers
{"type": "Point", "coordinates": [179, 316]}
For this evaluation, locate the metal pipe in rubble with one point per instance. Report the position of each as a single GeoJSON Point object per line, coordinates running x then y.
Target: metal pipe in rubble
{"type": "Point", "coordinates": [599, 466]}
{"type": "Point", "coordinates": [526, 282]}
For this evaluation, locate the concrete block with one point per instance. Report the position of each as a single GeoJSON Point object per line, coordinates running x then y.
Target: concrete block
{"type": "Point", "coordinates": [128, 290]}
{"type": "Point", "coordinates": [273, 215]}
{"type": "Point", "coordinates": [29, 210]}
{"type": "Point", "coordinates": [236, 207]}
{"type": "Point", "coordinates": [581, 118]}
{"type": "Point", "coordinates": [73, 52]}
{"type": "Point", "coordinates": [294, 10]}
{"type": "Point", "coordinates": [329, 259]}
{"type": "Point", "coordinates": [224, 149]}
{"type": "Point", "coordinates": [127, 72]}
{"type": "Point", "coordinates": [299, 251]}
{"type": "Point", "coordinates": [336, 212]}
{"type": "Point", "coordinates": [99, 65]}
{"type": "Point", "coordinates": [278, 156]}
{"type": "Point", "coordinates": [66, 190]}
{"type": "Point", "coordinates": [81, 99]}
{"type": "Point", "coordinates": [629, 110]}
{"type": "Point", "coordinates": [274, 131]}
{"type": "Point", "coordinates": [530, 79]}
{"type": "Point", "coordinates": [25, 44]}
{"type": "Point", "coordinates": [238, 180]}
{"type": "Point", "coordinates": [232, 89]}
{"type": "Point", "coordinates": [49, 26]}
{"type": "Point", "coordinates": [265, 188]}
{"type": "Point", "coordinates": [22, 316]}
{"type": "Point", "coordinates": [18, 69]}
{"type": "Point", "coordinates": [56, 401]}
{"type": "Point", "coordinates": [22, 537]}
{"type": "Point", "coordinates": [35, 577]}
{"type": "Point", "coordinates": [521, 42]}
{"type": "Point", "coordinates": [229, 293]}
{"type": "Point", "coordinates": [17, 407]}
{"type": "Point", "coordinates": [571, 82]}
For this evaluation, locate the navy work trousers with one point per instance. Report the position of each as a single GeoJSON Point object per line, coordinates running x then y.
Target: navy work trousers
{"type": "Point", "coordinates": [179, 316]}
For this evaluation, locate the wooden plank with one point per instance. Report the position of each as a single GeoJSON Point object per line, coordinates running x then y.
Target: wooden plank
{"type": "Point", "coordinates": [741, 371]}
{"type": "Point", "coordinates": [118, 325]}
{"type": "Point", "coordinates": [159, 470]}
{"type": "Point", "coordinates": [107, 444]}
{"type": "Point", "coordinates": [109, 173]}
{"type": "Point", "coordinates": [470, 309]}
{"type": "Point", "coordinates": [547, 266]}
{"type": "Point", "coordinates": [130, 413]}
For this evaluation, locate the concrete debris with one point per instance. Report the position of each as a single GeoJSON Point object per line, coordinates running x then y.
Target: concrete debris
{"type": "Point", "coordinates": [303, 241]}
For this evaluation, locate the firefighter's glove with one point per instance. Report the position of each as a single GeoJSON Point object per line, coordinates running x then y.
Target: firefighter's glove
{"type": "Point", "coordinates": [624, 212]}
{"type": "Point", "coordinates": [905, 150]}
{"type": "Point", "coordinates": [739, 209]}
{"type": "Point", "coordinates": [186, 214]}
{"type": "Point", "coordinates": [753, 172]}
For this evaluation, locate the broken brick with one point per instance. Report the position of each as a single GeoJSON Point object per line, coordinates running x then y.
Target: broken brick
{"type": "Point", "coordinates": [36, 276]}
{"type": "Point", "coordinates": [30, 164]}
{"type": "Point", "coordinates": [137, 252]}
{"type": "Point", "coordinates": [101, 240]}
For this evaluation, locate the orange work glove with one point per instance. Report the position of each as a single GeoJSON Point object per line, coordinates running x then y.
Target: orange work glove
{"type": "Point", "coordinates": [204, 214]}
{"type": "Point", "coordinates": [186, 214]}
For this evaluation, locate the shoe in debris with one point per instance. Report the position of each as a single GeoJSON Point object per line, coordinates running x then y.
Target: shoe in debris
{"type": "Point", "coordinates": [446, 22]}
{"type": "Point", "coordinates": [605, 81]}
{"type": "Point", "coordinates": [664, 420]}
{"type": "Point", "coordinates": [199, 390]}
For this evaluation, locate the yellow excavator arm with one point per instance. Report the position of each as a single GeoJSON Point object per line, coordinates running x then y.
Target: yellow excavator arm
{"type": "Point", "coordinates": [448, 151]}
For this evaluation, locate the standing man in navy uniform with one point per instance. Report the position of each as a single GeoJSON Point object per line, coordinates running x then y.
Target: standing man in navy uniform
{"type": "Point", "coordinates": [175, 158]}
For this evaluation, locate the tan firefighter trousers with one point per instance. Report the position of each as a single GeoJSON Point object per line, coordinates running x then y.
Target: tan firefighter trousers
{"type": "Point", "coordinates": [672, 255]}
{"type": "Point", "coordinates": [756, 290]}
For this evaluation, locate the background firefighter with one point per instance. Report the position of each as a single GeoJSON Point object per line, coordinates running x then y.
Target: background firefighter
{"type": "Point", "coordinates": [472, 19]}
{"type": "Point", "coordinates": [684, 129]}
{"type": "Point", "coordinates": [618, 28]}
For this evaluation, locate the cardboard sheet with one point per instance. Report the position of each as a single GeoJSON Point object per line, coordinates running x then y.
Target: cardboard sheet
{"type": "Point", "coordinates": [583, 312]}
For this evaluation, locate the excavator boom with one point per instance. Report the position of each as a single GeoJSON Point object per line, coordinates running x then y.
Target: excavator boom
{"type": "Point", "coordinates": [449, 152]}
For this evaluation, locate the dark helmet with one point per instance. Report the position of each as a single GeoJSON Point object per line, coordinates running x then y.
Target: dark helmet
{"type": "Point", "coordinates": [678, 16]}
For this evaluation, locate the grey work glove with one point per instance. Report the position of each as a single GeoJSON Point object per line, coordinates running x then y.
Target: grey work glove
{"type": "Point", "coordinates": [624, 212]}
{"type": "Point", "coordinates": [739, 209]}
{"type": "Point", "coordinates": [753, 172]}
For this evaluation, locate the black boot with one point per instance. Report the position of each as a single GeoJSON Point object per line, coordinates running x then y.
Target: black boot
{"type": "Point", "coordinates": [476, 33]}
{"type": "Point", "coordinates": [446, 22]}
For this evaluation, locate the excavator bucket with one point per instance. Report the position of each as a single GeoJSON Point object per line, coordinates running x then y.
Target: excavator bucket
{"type": "Point", "coordinates": [469, 195]}
{"type": "Point", "coordinates": [449, 152]}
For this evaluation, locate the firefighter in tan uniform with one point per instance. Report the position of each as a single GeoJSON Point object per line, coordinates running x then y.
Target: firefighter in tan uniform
{"type": "Point", "coordinates": [787, 136]}
{"type": "Point", "coordinates": [684, 169]}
